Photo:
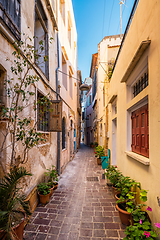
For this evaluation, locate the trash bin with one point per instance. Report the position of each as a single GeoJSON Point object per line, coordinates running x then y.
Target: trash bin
{"type": "Point", "coordinates": [105, 160]}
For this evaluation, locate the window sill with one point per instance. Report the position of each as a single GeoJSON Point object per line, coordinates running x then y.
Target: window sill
{"type": "Point", "coordinates": [64, 149]}
{"type": "Point", "coordinates": [43, 145]}
{"type": "Point", "coordinates": [138, 158]}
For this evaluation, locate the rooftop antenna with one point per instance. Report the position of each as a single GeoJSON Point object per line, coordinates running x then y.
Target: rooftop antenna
{"type": "Point", "coordinates": [121, 2]}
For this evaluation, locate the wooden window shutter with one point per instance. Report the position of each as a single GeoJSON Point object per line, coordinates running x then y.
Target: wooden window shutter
{"type": "Point", "coordinates": [140, 131]}
{"type": "Point", "coordinates": [56, 116]}
{"type": "Point", "coordinates": [133, 132]}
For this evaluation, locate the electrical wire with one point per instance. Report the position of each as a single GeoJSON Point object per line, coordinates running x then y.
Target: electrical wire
{"type": "Point", "coordinates": [110, 17]}
{"type": "Point", "coordinates": [68, 75]}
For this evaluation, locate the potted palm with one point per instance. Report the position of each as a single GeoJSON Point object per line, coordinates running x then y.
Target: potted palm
{"type": "Point", "coordinates": [13, 207]}
{"type": "Point", "coordinates": [53, 178]}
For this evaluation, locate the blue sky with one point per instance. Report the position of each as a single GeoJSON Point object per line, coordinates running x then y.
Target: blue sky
{"type": "Point", "coordinates": [94, 20]}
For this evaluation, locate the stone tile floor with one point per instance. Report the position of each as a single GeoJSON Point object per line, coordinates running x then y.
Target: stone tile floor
{"type": "Point", "coordinates": [79, 209]}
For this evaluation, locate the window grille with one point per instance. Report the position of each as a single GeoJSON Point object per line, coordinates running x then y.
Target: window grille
{"type": "Point", "coordinates": [42, 116]}
{"type": "Point", "coordinates": [63, 133]}
{"type": "Point", "coordinates": [141, 84]}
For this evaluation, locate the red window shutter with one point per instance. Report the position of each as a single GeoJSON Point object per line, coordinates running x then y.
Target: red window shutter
{"type": "Point", "coordinates": [140, 131]}
{"type": "Point", "coordinates": [138, 140]}
{"type": "Point", "coordinates": [133, 132]}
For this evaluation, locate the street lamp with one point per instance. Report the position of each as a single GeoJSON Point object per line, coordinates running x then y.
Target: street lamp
{"type": "Point", "coordinates": [84, 87]}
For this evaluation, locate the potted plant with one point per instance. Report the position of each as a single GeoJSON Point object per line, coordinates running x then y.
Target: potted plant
{"type": "Point", "coordinates": [125, 185]}
{"type": "Point", "coordinates": [43, 192]}
{"type": "Point", "coordinates": [95, 144]}
{"type": "Point", "coordinates": [99, 154]}
{"type": "Point", "coordinates": [126, 205]}
{"type": "Point", "coordinates": [141, 227]}
{"type": "Point", "coordinates": [13, 207]}
{"type": "Point", "coordinates": [91, 144]}
{"type": "Point", "coordinates": [53, 178]}
{"type": "Point", "coordinates": [113, 175]}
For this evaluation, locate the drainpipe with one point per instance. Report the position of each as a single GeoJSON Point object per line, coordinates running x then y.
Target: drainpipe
{"type": "Point", "coordinates": [58, 133]}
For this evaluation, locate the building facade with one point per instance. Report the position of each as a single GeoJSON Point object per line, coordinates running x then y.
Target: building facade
{"type": "Point", "coordinates": [134, 102]}
{"type": "Point", "coordinates": [49, 24]}
{"type": "Point", "coordinates": [107, 51]}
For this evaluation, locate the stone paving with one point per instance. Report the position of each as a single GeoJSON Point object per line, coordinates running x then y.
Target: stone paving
{"type": "Point", "coordinates": [79, 209]}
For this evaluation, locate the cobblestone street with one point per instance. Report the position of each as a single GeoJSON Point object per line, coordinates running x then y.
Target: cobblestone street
{"type": "Point", "coordinates": [80, 209]}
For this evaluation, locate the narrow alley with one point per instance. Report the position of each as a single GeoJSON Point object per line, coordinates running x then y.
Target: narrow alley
{"type": "Point", "coordinates": [82, 208]}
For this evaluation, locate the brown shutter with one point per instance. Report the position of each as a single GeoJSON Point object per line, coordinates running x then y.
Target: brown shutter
{"type": "Point", "coordinates": [133, 132]}
{"type": "Point", "coordinates": [55, 116]}
{"type": "Point", "coordinates": [138, 140]}
{"type": "Point", "coordinates": [140, 131]}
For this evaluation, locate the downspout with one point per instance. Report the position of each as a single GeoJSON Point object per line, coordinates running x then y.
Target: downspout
{"type": "Point", "coordinates": [58, 133]}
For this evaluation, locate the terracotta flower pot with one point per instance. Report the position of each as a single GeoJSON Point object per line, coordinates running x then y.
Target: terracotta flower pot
{"type": "Point", "coordinates": [126, 218]}
{"type": "Point", "coordinates": [44, 198]}
{"type": "Point", "coordinates": [17, 231]}
{"type": "Point", "coordinates": [51, 191]}
{"type": "Point", "coordinates": [115, 191]}
{"type": "Point", "coordinates": [117, 195]}
{"type": "Point", "coordinates": [99, 161]}
{"type": "Point", "coordinates": [55, 186]}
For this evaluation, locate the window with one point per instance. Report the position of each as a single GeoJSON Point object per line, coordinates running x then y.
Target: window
{"type": "Point", "coordinates": [63, 133]}
{"type": "Point", "coordinates": [103, 97]}
{"type": "Point", "coordinates": [89, 120]}
{"type": "Point", "coordinates": [2, 90]}
{"type": "Point", "coordinates": [69, 28]}
{"type": "Point", "coordinates": [43, 115]}
{"type": "Point", "coordinates": [140, 131]}
{"type": "Point", "coordinates": [70, 85]}
{"type": "Point", "coordinates": [141, 84]}
{"type": "Point", "coordinates": [64, 70]}
{"type": "Point", "coordinates": [41, 36]}
{"type": "Point", "coordinates": [10, 12]}
{"type": "Point", "coordinates": [62, 9]}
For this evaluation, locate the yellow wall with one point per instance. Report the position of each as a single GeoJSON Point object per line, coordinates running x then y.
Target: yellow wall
{"type": "Point", "coordinates": [144, 26]}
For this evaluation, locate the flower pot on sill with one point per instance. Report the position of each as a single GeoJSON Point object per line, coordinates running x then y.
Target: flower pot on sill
{"type": "Point", "coordinates": [17, 231]}
{"type": "Point", "coordinates": [126, 218]}
{"type": "Point", "coordinates": [44, 198]}
{"type": "Point", "coordinates": [99, 161]}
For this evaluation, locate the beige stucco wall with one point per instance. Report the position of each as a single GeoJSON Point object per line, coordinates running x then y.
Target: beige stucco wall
{"type": "Point", "coordinates": [69, 51]}
{"type": "Point", "coordinates": [107, 51]}
{"type": "Point", "coordinates": [144, 26]}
